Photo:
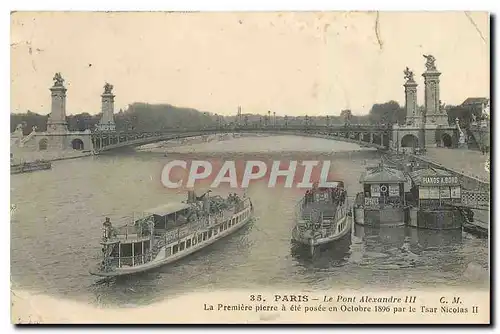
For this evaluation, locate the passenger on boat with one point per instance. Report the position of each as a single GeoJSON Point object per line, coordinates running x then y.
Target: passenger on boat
{"type": "Point", "coordinates": [309, 197]}
{"type": "Point", "coordinates": [107, 227]}
{"type": "Point", "coordinates": [343, 197]}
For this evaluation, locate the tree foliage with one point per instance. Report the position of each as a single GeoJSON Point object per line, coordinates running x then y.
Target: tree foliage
{"type": "Point", "coordinates": [465, 114]}
{"type": "Point", "coordinates": [387, 113]}
{"type": "Point", "coordinates": [156, 117]}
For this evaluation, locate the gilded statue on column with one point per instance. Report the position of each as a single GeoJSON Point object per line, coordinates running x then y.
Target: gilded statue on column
{"type": "Point", "coordinates": [108, 88]}
{"type": "Point", "coordinates": [408, 74]}
{"type": "Point", "coordinates": [58, 80]}
{"type": "Point", "coordinates": [430, 64]}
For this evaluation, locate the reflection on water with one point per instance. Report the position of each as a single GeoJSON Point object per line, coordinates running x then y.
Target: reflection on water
{"type": "Point", "coordinates": [402, 247]}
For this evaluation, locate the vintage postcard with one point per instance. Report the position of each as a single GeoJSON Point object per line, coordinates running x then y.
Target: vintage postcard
{"type": "Point", "coordinates": [250, 167]}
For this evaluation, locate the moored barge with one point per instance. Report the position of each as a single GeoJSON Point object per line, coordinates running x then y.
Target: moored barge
{"type": "Point", "coordinates": [383, 201]}
{"type": "Point", "coordinates": [26, 167]}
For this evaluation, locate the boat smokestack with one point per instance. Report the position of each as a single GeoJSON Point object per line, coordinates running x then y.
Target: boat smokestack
{"type": "Point", "coordinates": [206, 204]}
{"type": "Point", "coordinates": [191, 198]}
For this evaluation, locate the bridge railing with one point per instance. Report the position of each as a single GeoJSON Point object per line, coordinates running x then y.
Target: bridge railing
{"type": "Point", "coordinates": [251, 127]}
{"type": "Point", "coordinates": [351, 133]}
{"type": "Point", "coordinates": [475, 198]}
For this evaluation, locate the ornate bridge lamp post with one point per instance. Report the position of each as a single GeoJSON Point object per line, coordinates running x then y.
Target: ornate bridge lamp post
{"type": "Point", "coordinates": [274, 117]}
{"type": "Point", "coordinates": [286, 121]}
{"type": "Point", "coordinates": [327, 121]}
{"type": "Point", "coordinates": [307, 122]}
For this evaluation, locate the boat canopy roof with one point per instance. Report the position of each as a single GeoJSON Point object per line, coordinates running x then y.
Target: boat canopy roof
{"type": "Point", "coordinates": [166, 209]}
{"type": "Point", "coordinates": [383, 174]}
{"type": "Point", "coordinates": [331, 184]}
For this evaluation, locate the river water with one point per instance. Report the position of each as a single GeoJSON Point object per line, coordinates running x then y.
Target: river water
{"type": "Point", "coordinates": [56, 228]}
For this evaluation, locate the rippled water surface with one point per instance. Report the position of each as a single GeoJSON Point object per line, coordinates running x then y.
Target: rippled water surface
{"type": "Point", "coordinates": [56, 229]}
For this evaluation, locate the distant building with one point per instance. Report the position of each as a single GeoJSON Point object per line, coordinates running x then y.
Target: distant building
{"type": "Point", "coordinates": [476, 102]}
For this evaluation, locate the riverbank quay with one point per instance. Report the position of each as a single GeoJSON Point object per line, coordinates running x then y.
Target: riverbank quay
{"type": "Point", "coordinates": [467, 164]}
{"type": "Point", "coordinates": [20, 157]}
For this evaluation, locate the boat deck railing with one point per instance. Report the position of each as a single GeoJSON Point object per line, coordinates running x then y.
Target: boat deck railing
{"type": "Point", "coordinates": [322, 220]}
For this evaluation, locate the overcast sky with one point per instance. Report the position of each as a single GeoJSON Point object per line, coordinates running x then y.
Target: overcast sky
{"type": "Point", "coordinates": [290, 63]}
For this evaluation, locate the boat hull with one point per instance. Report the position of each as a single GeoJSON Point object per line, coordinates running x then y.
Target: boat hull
{"type": "Point", "coordinates": [313, 242]}
{"type": "Point", "coordinates": [380, 216]}
{"type": "Point", "coordinates": [162, 260]}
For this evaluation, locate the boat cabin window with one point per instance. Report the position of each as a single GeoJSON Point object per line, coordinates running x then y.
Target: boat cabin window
{"type": "Point", "coordinates": [125, 250]}
{"type": "Point", "coordinates": [225, 226]}
{"type": "Point", "coordinates": [200, 237]}
{"type": "Point", "coordinates": [232, 221]}
{"type": "Point", "coordinates": [164, 221]}
{"type": "Point", "coordinates": [138, 248]}
{"type": "Point", "coordinates": [182, 245]}
{"type": "Point", "coordinates": [221, 228]}
{"type": "Point", "coordinates": [205, 236]}
{"type": "Point", "coordinates": [188, 243]}
{"type": "Point", "coordinates": [209, 234]}
{"type": "Point", "coordinates": [175, 249]}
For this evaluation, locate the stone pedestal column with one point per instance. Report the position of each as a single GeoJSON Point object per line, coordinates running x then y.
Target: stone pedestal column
{"type": "Point", "coordinates": [411, 110]}
{"type": "Point", "coordinates": [57, 118]}
{"type": "Point", "coordinates": [434, 114]}
{"type": "Point", "coordinates": [107, 122]}
{"type": "Point", "coordinates": [431, 94]}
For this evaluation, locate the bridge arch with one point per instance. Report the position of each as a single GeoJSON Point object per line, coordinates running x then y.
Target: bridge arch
{"type": "Point", "coordinates": [447, 140]}
{"type": "Point", "coordinates": [43, 144]}
{"type": "Point", "coordinates": [376, 138]}
{"type": "Point", "coordinates": [409, 140]}
{"type": "Point", "coordinates": [77, 144]}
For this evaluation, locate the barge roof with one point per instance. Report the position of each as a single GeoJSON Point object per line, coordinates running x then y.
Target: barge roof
{"type": "Point", "coordinates": [383, 174]}
{"type": "Point", "coordinates": [418, 174]}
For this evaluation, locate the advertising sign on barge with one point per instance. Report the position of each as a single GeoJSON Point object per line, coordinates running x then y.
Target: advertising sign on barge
{"type": "Point", "coordinates": [436, 194]}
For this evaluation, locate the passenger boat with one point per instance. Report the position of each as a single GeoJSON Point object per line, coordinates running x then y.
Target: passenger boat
{"type": "Point", "coordinates": [171, 232]}
{"type": "Point", "coordinates": [322, 216]}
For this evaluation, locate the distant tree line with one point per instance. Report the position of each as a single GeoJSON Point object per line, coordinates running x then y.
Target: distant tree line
{"type": "Point", "coordinates": [156, 117]}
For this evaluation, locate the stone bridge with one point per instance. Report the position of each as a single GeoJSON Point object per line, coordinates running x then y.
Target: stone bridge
{"type": "Point", "coordinates": [363, 135]}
